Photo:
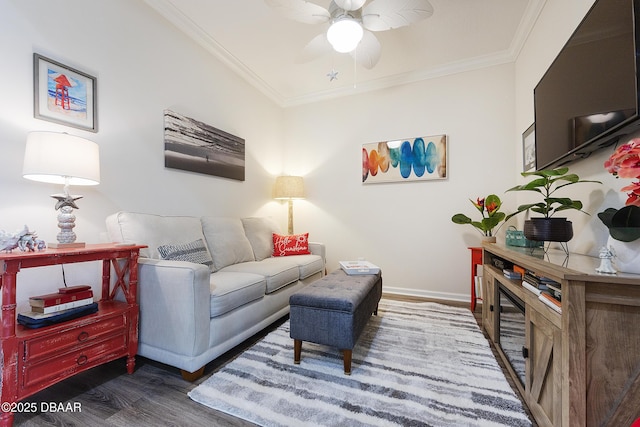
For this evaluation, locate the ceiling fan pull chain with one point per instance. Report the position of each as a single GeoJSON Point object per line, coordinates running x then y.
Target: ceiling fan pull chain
{"type": "Point", "coordinates": [355, 68]}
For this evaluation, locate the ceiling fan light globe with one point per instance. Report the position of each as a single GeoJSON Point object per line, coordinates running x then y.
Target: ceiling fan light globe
{"type": "Point", "coordinates": [344, 35]}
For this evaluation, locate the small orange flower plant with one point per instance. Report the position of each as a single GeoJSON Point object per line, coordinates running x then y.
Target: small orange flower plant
{"type": "Point", "coordinates": [489, 208]}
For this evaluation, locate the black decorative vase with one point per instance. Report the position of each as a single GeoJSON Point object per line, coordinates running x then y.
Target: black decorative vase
{"type": "Point", "coordinates": [548, 229]}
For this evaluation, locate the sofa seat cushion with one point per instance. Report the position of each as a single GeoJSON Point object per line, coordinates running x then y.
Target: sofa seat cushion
{"type": "Point", "coordinates": [308, 264]}
{"type": "Point", "coordinates": [278, 272]}
{"type": "Point", "coordinates": [232, 290]}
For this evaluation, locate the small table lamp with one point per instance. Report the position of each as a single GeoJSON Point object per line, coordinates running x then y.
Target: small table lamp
{"type": "Point", "coordinates": [289, 188]}
{"type": "Point", "coordinates": [60, 158]}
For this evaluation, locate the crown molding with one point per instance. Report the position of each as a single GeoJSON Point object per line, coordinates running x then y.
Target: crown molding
{"type": "Point", "coordinates": [528, 21]}
{"type": "Point", "coordinates": [451, 68]}
{"type": "Point", "coordinates": [170, 12]}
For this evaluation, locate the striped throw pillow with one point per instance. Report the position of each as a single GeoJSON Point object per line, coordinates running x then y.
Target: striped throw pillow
{"type": "Point", "coordinates": [195, 252]}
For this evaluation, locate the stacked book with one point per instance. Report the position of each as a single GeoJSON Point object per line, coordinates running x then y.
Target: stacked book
{"type": "Point", "coordinates": [548, 291]}
{"type": "Point", "coordinates": [478, 280]}
{"type": "Point", "coordinates": [550, 301]}
{"type": "Point", "coordinates": [64, 299]}
{"type": "Point", "coordinates": [512, 274]}
{"type": "Point", "coordinates": [555, 289]}
{"type": "Point", "coordinates": [67, 303]}
{"type": "Point", "coordinates": [359, 267]}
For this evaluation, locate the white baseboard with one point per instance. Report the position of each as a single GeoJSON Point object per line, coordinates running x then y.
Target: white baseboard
{"type": "Point", "coordinates": [445, 296]}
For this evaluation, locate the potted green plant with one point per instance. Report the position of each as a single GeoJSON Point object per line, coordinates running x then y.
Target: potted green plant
{"type": "Point", "coordinates": [546, 182]}
{"type": "Point", "coordinates": [489, 208]}
{"type": "Point", "coordinates": [624, 223]}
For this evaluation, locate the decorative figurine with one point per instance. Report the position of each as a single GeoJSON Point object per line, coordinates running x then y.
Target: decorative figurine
{"type": "Point", "coordinates": [8, 242]}
{"type": "Point", "coordinates": [606, 255]}
{"type": "Point", "coordinates": [66, 219]}
{"type": "Point", "coordinates": [24, 240]}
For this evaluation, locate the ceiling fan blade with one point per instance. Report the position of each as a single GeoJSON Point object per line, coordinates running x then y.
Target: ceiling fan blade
{"type": "Point", "coordinates": [300, 10]}
{"type": "Point", "coordinates": [368, 51]}
{"type": "Point", "coordinates": [381, 15]}
{"type": "Point", "coordinates": [349, 4]}
{"type": "Point", "coordinates": [317, 47]}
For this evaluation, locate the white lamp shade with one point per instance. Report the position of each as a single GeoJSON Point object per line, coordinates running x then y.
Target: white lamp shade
{"type": "Point", "coordinates": [60, 158]}
{"type": "Point", "coordinates": [344, 35]}
{"type": "Point", "coordinates": [289, 187]}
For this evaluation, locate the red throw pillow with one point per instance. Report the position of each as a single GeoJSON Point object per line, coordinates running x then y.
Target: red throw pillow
{"type": "Point", "coordinates": [294, 244]}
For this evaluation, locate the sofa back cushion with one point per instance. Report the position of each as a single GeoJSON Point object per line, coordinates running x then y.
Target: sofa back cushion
{"type": "Point", "coordinates": [153, 230]}
{"type": "Point", "coordinates": [226, 241]}
{"type": "Point", "coordinates": [260, 231]}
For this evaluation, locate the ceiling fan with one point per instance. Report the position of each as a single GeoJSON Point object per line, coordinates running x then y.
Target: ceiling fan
{"type": "Point", "coordinates": [351, 24]}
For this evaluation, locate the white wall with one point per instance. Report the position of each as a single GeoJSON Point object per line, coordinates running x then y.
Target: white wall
{"type": "Point", "coordinates": [554, 26]}
{"type": "Point", "coordinates": [405, 227]}
{"type": "Point", "coordinates": [143, 65]}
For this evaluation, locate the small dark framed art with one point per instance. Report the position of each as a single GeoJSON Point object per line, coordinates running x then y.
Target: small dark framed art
{"type": "Point", "coordinates": [529, 149]}
{"type": "Point", "coordinates": [64, 95]}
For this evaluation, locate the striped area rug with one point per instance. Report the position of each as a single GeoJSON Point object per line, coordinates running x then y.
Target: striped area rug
{"type": "Point", "coordinates": [416, 364]}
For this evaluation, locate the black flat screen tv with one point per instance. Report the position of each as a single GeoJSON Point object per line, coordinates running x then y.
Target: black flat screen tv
{"type": "Point", "coordinates": [588, 98]}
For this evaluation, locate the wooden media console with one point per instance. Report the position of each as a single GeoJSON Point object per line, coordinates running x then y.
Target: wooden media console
{"type": "Point", "coordinates": [581, 366]}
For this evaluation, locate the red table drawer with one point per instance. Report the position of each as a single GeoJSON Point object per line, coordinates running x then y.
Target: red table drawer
{"type": "Point", "coordinates": [64, 365]}
{"type": "Point", "coordinates": [54, 344]}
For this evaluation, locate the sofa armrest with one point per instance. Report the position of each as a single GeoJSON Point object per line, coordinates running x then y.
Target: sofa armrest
{"type": "Point", "coordinates": [317, 248]}
{"type": "Point", "coordinates": [174, 299]}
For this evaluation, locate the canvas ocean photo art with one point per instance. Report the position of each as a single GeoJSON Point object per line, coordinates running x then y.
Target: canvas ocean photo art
{"type": "Point", "coordinates": [413, 159]}
{"type": "Point", "coordinates": [197, 147]}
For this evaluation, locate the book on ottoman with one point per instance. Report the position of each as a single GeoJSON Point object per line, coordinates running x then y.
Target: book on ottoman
{"type": "Point", "coordinates": [359, 267]}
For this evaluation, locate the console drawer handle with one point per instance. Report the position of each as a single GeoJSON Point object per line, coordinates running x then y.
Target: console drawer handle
{"type": "Point", "coordinates": [81, 360]}
{"type": "Point", "coordinates": [525, 352]}
{"type": "Point", "coordinates": [84, 335]}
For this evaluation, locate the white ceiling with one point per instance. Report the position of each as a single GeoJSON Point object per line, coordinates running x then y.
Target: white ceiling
{"type": "Point", "coordinates": [262, 46]}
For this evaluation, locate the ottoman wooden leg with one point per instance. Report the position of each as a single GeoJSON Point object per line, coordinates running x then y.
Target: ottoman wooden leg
{"type": "Point", "coordinates": [346, 356]}
{"type": "Point", "coordinates": [297, 350]}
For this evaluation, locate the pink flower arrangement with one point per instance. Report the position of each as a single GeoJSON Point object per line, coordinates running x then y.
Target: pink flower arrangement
{"type": "Point", "coordinates": [625, 163]}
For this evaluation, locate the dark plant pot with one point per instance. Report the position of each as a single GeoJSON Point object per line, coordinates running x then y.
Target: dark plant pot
{"type": "Point", "coordinates": [548, 229]}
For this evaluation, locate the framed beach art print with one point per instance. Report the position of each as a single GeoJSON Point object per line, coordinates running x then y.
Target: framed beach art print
{"type": "Point", "coordinates": [63, 94]}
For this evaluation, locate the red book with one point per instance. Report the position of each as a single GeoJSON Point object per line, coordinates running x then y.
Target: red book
{"type": "Point", "coordinates": [71, 289]}
{"type": "Point", "coordinates": [552, 299]}
{"type": "Point", "coordinates": [59, 298]}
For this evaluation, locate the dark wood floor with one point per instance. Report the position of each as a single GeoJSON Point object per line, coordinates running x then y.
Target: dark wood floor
{"type": "Point", "coordinates": [154, 395]}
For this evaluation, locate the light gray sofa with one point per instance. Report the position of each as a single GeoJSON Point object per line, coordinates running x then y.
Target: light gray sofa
{"type": "Point", "coordinates": [192, 312]}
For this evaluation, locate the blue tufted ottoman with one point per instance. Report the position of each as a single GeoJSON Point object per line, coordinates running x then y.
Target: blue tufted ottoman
{"type": "Point", "coordinates": [334, 311]}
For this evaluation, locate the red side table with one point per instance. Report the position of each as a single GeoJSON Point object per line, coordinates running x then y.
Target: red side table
{"type": "Point", "coordinates": [34, 359]}
{"type": "Point", "coordinates": [476, 259]}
